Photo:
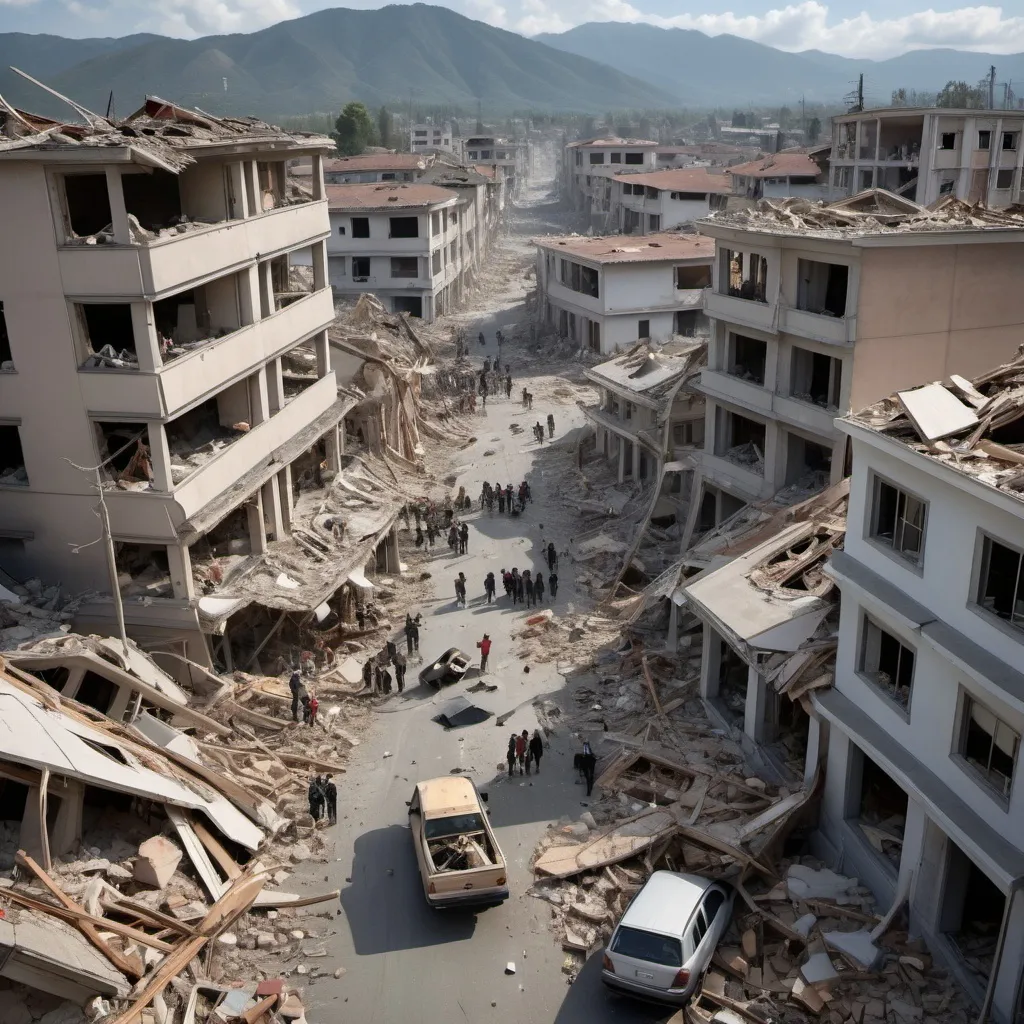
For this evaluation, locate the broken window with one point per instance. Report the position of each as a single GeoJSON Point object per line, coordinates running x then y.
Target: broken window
{"type": "Point", "coordinates": [841, 177]}
{"type": "Point", "coordinates": [946, 186]}
{"type": "Point", "coordinates": [13, 800]}
{"type": "Point", "coordinates": [361, 268]}
{"type": "Point", "coordinates": [898, 520]}
{"type": "Point", "coordinates": [740, 440]}
{"type": "Point", "coordinates": [747, 357]}
{"type": "Point", "coordinates": [634, 158]}
{"type": "Point", "coordinates": [404, 227]}
{"type": "Point", "coordinates": [1010, 140]}
{"type": "Point", "coordinates": [971, 912]}
{"type": "Point", "coordinates": [688, 432]}
{"type": "Point", "coordinates": [887, 663]}
{"type": "Point", "coordinates": [193, 318]}
{"type": "Point", "coordinates": [360, 227]}
{"type": "Point", "coordinates": [821, 287]}
{"type": "Point", "coordinates": [744, 275]}
{"type": "Point", "coordinates": [692, 277]}
{"type": "Point", "coordinates": [654, 222]}
{"type": "Point", "coordinates": [984, 139]}
{"type": "Point", "coordinates": [6, 356]}
{"type": "Point", "coordinates": [584, 280]}
{"type": "Point", "coordinates": [124, 452]}
{"type": "Point", "coordinates": [154, 199]}
{"type": "Point", "coordinates": [732, 683]}
{"type": "Point", "coordinates": [816, 378]}
{"type": "Point", "coordinates": [87, 204]}
{"type": "Point", "coordinates": [96, 692]}
{"type": "Point", "coordinates": [298, 369]}
{"type": "Point", "coordinates": [405, 266]}
{"type": "Point", "coordinates": [1004, 178]}
{"type": "Point", "coordinates": [12, 459]}
{"type": "Point", "coordinates": [594, 335]}
{"type": "Point", "coordinates": [1001, 582]}
{"type": "Point", "coordinates": [879, 808]}
{"type": "Point", "coordinates": [204, 431]}
{"type": "Point", "coordinates": [807, 461]}
{"type": "Point", "coordinates": [988, 745]}
{"type": "Point", "coordinates": [947, 140]}
{"type": "Point", "coordinates": [643, 329]}
{"type": "Point", "coordinates": [597, 158]}
{"type": "Point", "coordinates": [411, 304]}
{"type": "Point", "coordinates": [867, 178]}
{"type": "Point", "coordinates": [142, 571]}
{"type": "Point", "coordinates": [108, 334]}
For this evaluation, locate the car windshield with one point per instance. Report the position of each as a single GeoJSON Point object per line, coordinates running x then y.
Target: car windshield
{"type": "Point", "coordinates": [655, 949]}
{"type": "Point", "coordinates": [456, 824]}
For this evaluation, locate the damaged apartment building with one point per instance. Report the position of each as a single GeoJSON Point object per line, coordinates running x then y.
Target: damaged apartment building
{"type": "Point", "coordinates": [167, 312]}
{"type": "Point", "coordinates": [608, 293]}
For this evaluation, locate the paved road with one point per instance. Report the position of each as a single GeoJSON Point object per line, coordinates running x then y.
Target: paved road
{"type": "Point", "coordinates": [404, 962]}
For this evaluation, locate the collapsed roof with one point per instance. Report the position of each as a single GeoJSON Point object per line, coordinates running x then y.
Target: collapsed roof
{"type": "Point", "coordinates": [653, 373]}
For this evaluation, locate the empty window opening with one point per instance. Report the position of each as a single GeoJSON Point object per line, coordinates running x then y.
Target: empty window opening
{"type": "Point", "coordinates": [971, 912]}
{"type": "Point", "coordinates": [272, 177]}
{"type": "Point", "coordinates": [298, 369]}
{"type": "Point", "coordinates": [593, 336]}
{"type": "Point", "coordinates": [1001, 582]}
{"type": "Point", "coordinates": [898, 520]}
{"type": "Point", "coordinates": [291, 281]}
{"type": "Point", "coordinates": [729, 506]}
{"type": "Point", "coordinates": [360, 227]}
{"type": "Point", "coordinates": [219, 549]}
{"type": "Point", "coordinates": [200, 434]}
{"type": "Point", "coordinates": [693, 277]}
{"type": "Point", "coordinates": [732, 684]}
{"type": "Point", "coordinates": [984, 140]}
{"type": "Point", "coordinates": [1010, 140]}
{"type": "Point", "coordinates": [361, 267]}
{"type": "Point", "coordinates": [634, 158]}
{"type": "Point", "coordinates": [96, 692]}
{"type": "Point", "coordinates": [12, 459]}
{"type": "Point", "coordinates": [6, 356]}
{"type": "Point", "coordinates": [747, 357]}
{"type": "Point", "coordinates": [88, 205]}
{"type": "Point", "coordinates": [654, 222]}
{"type": "Point", "coordinates": [154, 200]}
{"type": "Point", "coordinates": [597, 158]}
{"type": "Point", "coordinates": [745, 275]}
{"type": "Point", "coordinates": [405, 266]}
{"type": "Point", "coordinates": [411, 304]}
{"type": "Point", "coordinates": [807, 459]}
{"type": "Point", "coordinates": [579, 278]}
{"type": "Point", "coordinates": [706, 512]}
{"type": "Point", "coordinates": [404, 227]}
{"type": "Point", "coordinates": [887, 663]}
{"type": "Point", "coordinates": [690, 323]}
{"type": "Point", "coordinates": [816, 378]}
{"type": "Point", "coordinates": [821, 287]}
{"type": "Point", "coordinates": [879, 808]}
{"type": "Point", "coordinates": [124, 451]}
{"type": "Point", "coordinates": [194, 318]}
{"type": "Point", "coordinates": [790, 727]}
{"type": "Point", "coordinates": [1004, 178]}
{"type": "Point", "coordinates": [947, 140]}
{"type": "Point", "coordinates": [988, 745]}
{"type": "Point", "coordinates": [13, 800]}
{"type": "Point", "coordinates": [142, 571]}
{"type": "Point", "coordinates": [56, 677]}
{"type": "Point", "coordinates": [740, 440]}
{"type": "Point", "coordinates": [308, 470]}
{"type": "Point", "coordinates": [615, 158]}
{"type": "Point", "coordinates": [109, 335]}
{"type": "Point", "coordinates": [643, 329]}
{"type": "Point", "coordinates": [688, 432]}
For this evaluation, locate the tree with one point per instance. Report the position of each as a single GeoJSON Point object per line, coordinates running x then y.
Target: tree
{"type": "Point", "coordinates": [384, 127]}
{"type": "Point", "coordinates": [960, 95]}
{"type": "Point", "coordinates": [813, 130]}
{"type": "Point", "coordinates": [899, 98]}
{"type": "Point", "coordinates": [739, 119]}
{"type": "Point", "coordinates": [354, 130]}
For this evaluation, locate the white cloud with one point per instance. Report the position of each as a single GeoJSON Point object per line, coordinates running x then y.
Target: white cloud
{"type": "Point", "coordinates": [801, 26]}
{"type": "Point", "coordinates": [187, 19]}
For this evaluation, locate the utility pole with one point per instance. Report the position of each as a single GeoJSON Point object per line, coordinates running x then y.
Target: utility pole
{"type": "Point", "coordinates": [992, 87]}
{"type": "Point", "coordinates": [803, 117]}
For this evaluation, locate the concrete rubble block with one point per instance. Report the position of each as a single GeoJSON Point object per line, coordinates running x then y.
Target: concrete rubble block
{"type": "Point", "coordinates": [818, 968]}
{"type": "Point", "coordinates": [804, 883]}
{"type": "Point", "coordinates": [265, 940]}
{"type": "Point", "coordinates": [291, 1008]}
{"type": "Point", "coordinates": [157, 861]}
{"type": "Point", "coordinates": [804, 924]}
{"type": "Point", "coordinates": [857, 946]}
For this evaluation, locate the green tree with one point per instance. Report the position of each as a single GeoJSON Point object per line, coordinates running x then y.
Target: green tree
{"type": "Point", "coordinates": [813, 130]}
{"type": "Point", "coordinates": [960, 95]}
{"type": "Point", "coordinates": [384, 127]}
{"type": "Point", "coordinates": [899, 98]}
{"type": "Point", "coordinates": [354, 130]}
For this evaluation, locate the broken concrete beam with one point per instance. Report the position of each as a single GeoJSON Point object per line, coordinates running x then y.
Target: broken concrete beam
{"type": "Point", "coordinates": [157, 861]}
{"type": "Point", "coordinates": [857, 946]}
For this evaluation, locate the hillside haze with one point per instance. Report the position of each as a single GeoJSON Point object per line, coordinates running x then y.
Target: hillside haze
{"type": "Point", "coordinates": [319, 62]}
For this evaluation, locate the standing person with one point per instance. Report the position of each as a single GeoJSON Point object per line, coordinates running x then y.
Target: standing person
{"type": "Point", "coordinates": [295, 684]}
{"type": "Point", "coordinates": [453, 537]}
{"type": "Point", "coordinates": [460, 589]}
{"type": "Point", "coordinates": [529, 400]}
{"type": "Point", "coordinates": [409, 627]}
{"type": "Point", "coordinates": [314, 794]}
{"type": "Point", "coordinates": [551, 424]}
{"type": "Point", "coordinates": [331, 799]}
{"type": "Point", "coordinates": [508, 497]}
{"type": "Point", "coordinates": [400, 663]}
{"type": "Point", "coordinates": [520, 589]}
{"type": "Point", "coordinates": [378, 678]}
{"type": "Point", "coordinates": [525, 393]}
{"type": "Point", "coordinates": [431, 535]}
{"type": "Point", "coordinates": [385, 680]}
{"type": "Point", "coordinates": [587, 765]}
{"type": "Point", "coordinates": [538, 589]}
{"type": "Point", "coordinates": [367, 676]}
{"type": "Point", "coordinates": [490, 586]}
{"type": "Point", "coordinates": [485, 649]}
{"type": "Point", "coordinates": [314, 707]}
{"type": "Point", "coordinates": [552, 557]}
{"type": "Point", "coordinates": [553, 585]}
{"type": "Point", "coordinates": [464, 539]}
{"type": "Point", "coordinates": [419, 536]}
{"type": "Point", "coordinates": [510, 755]}
{"type": "Point", "coordinates": [508, 385]}
{"type": "Point", "coordinates": [524, 738]}
{"type": "Point", "coordinates": [536, 749]}
{"type": "Point", "coordinates": [520, 741]}
{"type": "Point", "coordinates": [501, 499]}
{"type": "Point", "coordinates": [304, 701]}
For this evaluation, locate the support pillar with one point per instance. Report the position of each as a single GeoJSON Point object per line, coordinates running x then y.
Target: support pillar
{"type": "Point", "coordinates": [333, 443]}
{"type": "Point", "coordinates": [756, 708]}
{"type": "Point", "coordinates": [144, 332]}
{"type": "Point", "coordinates": [273, 517]}
{"type": "Point", "coordinates": [275, 386]}
{"type": "Point", "coordinates": [284, 489]}
{"type": "Point", "coordinates": [636, 460]}
{"type": "Point", "coordinates": [318, 176]}
{"type": "Point", "coordinates": [622, 460]}
{"type": "Point", "coordinates": [179, 561]}
{"type": "Point", "coordinates": [266, 289]}
{"type": "Point", "coordinates": [817, 747]}
{"type": "Point", "coordinates": [319, 265]}
{"type": "Point", "coordinates": [253, 183]}
{"type": "Point", "coordinates": [710, 663]}
{"type": "Point", "coordinates": [249, 296]}
{"type": "Point", "coordinates": [118, 213]}
{"type": "Point", "coordinates": [160, 457]}
{"type": "Point", "coordinates": [254, 520]}
{"type": "Point", "coordinates": [323, 354]}
{"type": "Point", "coordinates": [259, 398]}
{"type": "Point", "coordinates": [239, 200]}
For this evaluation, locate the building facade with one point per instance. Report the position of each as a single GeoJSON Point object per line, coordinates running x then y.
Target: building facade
{"type": "Point", "coordinates": [643, 204]}
{"type": "Point", "coordinates": [927, 153]}
{"type": "Point", "coordinates": [429, 136]}
{"type": "Point", "coordinates": [411, 245]}
{"type": "Point", "coordinates": [781, 175]}
{"type": "Point", "coordinates": [379, 167]}
{"type": "Point", "coordinates": [510, 160]}
{"type": "Point", "coordinates": [590, 165]}
{"type": "Point", "coordinates": [608, 293]}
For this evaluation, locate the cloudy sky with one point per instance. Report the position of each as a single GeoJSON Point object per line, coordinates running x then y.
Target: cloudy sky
{"type": "Point", "coordinates": [854, 28]}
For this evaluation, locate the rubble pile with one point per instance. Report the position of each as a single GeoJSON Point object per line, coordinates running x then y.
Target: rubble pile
{"type": "Point", "coordinates": [31, 609]}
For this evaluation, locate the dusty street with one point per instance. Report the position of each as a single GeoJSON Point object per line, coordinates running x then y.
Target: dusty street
{"type": "Point", "coordinates": [404, 962]}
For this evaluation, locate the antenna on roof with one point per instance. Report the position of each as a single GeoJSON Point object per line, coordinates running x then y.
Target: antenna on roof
{"type": "Point", "coordinates": [110, 105]}
{"type": "Point", "coordinates": [856, 98]}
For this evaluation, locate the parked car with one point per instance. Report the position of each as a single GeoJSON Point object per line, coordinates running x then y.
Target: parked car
{"type": "Point", "coordinates": [448, 669]}
{"type": "Point", "coordinates": [665, 940]}
{"type": "Point", "coordinates": [459, 859]}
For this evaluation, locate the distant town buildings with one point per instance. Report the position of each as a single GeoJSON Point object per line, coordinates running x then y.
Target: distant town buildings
{"type": "Point", "coordinates": [654, 201]}
{"type": "Point", "coordinates": [425, 137]}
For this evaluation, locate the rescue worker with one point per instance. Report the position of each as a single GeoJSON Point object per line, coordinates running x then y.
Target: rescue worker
{"type": "Point", "coordinates": [295, 684]}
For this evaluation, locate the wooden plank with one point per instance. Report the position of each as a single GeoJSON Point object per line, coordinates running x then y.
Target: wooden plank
{"type": "Point", "coordinates": [650, 686]}
{"type": "Point", "coordinates": [143, 913]}
{"type": "Point", "coordinates": [254, 1013]}
{"type": "Point", "coordinates": [205, 868]}
{"type": "Point", "coordinates": [44, 834]}
{"type": "Point", "coordinates": [224, 860]}
{"type": "Point", "coordinates": [769, 918]}
{"type": "Point", "coordinates": [272, 900]}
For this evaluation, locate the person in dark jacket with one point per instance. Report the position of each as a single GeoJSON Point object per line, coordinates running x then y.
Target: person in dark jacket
{"type": "Point", "coordinates": [399, 660]}
{"type": "Point", "coordinates": [552, 557]}
{"type": "Point", "coordinates": [460, 590]}
{"type": "Point", "coordinates": [510, 756]}
{"type": "Point", "coordinates": [464, 539]}
{"type": "Point", "coordinates": [551, 425]}
{"type": "Point", "coordinates": [587, 765]}
{"type": "Point", "coordinates": [553, 585]}
{"type": "Point", "coordinates": [538, 589]}
{"type": "Point", "coordinates": [528, 587]}
{"type": "Point", "coordinates": [316, 798]}
{"type": "Point", "coordinates": [367, 674]}
{"type": "Point", "coordinates": [490, 586]}
{"type": "Point", "coordinates": [536, 749]}
{"type": "Point", "coordinates": [295, 684]}
{"type": "Point", "coordinates": [453, 537]}
{"type": "Point", "coordinates": [331, 799]}
{"type": "Point", "coordinates": [304, 701]}
{"type": "Point", "coordinates": [412, 634]}
{"type": "Point", "coordinates": [500, 492]}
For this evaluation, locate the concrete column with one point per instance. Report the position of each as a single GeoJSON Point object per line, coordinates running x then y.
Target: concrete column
{"type": "Point", "coordinates": [249, 296]}
{"type": "Point", "coordinates": [144, 331]}
{"type": "Point", "coordinates": [323, 354]}
{"type": "Point", "coordinates": [259, 398]}
{"type": "Point", "coordinates": [180, 562]}
{"type": "Point", "coordinates": [710, 663]}
{"type": "Point", "coordinates": [254, 184]}
{"type": "Point", "coordinates": [754, 711]}
{"type": "Point", "coordinates": [118, 213]}
{"type": "Point", "coordinates": [817, 747]}
{"type": "Point", "coordinates": [1011, 964]}
{"type": "Point", "coordinates": [287, 495]}
{"type": "Point", "coordinates": [319, 265]}
{"type": "Point", "coordinates": [273, 518]}
{"type": "Point", "coordinates": [254, 519]}
{"type": "Point", "coordinates": [275, 386]}
{"type": "Point", "coordinates": [318, 176]}
{"type": "Point", "coordinates": [622, 460]}
{"type": "Point", "coordinates": [160, 457]}
{"type": "Point", "coordinates": [266, 289]}
{"type": "Point", "coordinates": [239, 202]}
{"type": "Point", "coordinates": [334, 443]}
{"type": "Point", "coordinates": [636, 460]}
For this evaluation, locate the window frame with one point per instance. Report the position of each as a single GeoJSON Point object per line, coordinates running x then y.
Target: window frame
{"type": "Point", "coordinates": [943, 148]}
{"type": "Point", "coordinates": [965, 700]}
{"type": "Point", "coordinates": [361, 221]}
{"type": "Point", "coordinates": [914, 562]}
{"type": "Point", "coordinates": [866, 621]}
{"type": "Point", "coordinates": [1013, 138]}
{"type": "Point", "coordinates": [356, 276]}
{"type": "Point", "coordinates": [979, 576]}
{"type": "Point", "coordinates": [984, 138]}
{"type": "Point", "coordinates": [1011, 171]}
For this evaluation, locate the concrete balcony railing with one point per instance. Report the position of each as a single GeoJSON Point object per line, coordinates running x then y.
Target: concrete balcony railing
{"type": "Point", "coordinates": [690, 298]}
{"type": "Point", "coordinates": [833, 330]}
{"type": "Point", "coordinates": [760, 315]}
{"type": "Point", "coordinates": [164, 266]}
{"type": "Point", "coordinates": [736, 390]}
{"type": "Point", "coordinates": [817, 419]}
{"type": "Point", "coordinates": [206, 370]}
{"type": "Point", "coordinates": [719, 469]}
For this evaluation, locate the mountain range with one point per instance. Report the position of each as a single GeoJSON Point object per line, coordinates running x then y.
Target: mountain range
{"type": "Point", "coordinates": [431, 56]}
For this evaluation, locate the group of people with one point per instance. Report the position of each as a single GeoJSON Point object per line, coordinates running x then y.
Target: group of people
{"type": "Point", "coordinates": [458, 538]}
{"type": "Point", "coordinates": [377, 668]}
{"type": "Point", "coordinates": [323, 799]}
{"type": "Point", "coordinates": [301, 697]}
{"type": "Point", "coordinates": [527, 587]}
{"type": "Point", "coordinates": [524, 749]}
{"type": "Point", "coordinates": [538, 430]}
{"type": "Point", "coordinates": [507, 499]}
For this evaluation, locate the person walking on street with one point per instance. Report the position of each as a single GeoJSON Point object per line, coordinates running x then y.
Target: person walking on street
{"type": "Point", "coordinates": [538, 589]}
{"type": "Point", "coordinates": [431, 535]}
{"type": "Point", "coordinates": [528, 587]}
{"type": "Point", "coordinates": [553, 585]}
{"type": "Point", "coordinates": [552, 557]}
{"type": "Point", "coordinates": [551, 424]}
{"type": "Point", "coordinates": [295, 684]}
{"type": "Point", "coordinates": [464, 539]}
{"type": "Point", "coordinates": [490, 586]}
{"type": "Point", "coordinates": [460, 590]}
{"type": "Point", "coordinates": [520, 742]}
{"type": "Point", "coordinates": [536, 749]}
{"type": "Point", "coordinates": [367, 676]}
{"type": "Point", "coordinates": [519, 589]}
{"type": "Point", "coordinates": [315, 797]}
{"type": "Point", "coordinates": [485, 649]}
{"type": "Point", "coordinates": [508, 386]}
{"type": "Point", "coordinates": [587, 765]}
{"type": "Point", "coordinates": [501, 498]}
{"type": "Point", "coordinates": [314, 707]}
{"type": "Point", "coordinates": [412, 634]}
{"type": "Point", "coordinates": [525, 737]}
{"type": "Point", "coordinates": [453, 537]}
{"type": "Point", "coordinates": [385, 681]}
{"type": "Point", "coordinates": [525, 393]}
{"type": "Point", "coordinates": [510, 756]}
{"type": "Point", "coordinates": [508, 497]}
{"type": "Point", "coordinates": [400, 663]}
{"type": "Point", "coordinates": [331, 799]}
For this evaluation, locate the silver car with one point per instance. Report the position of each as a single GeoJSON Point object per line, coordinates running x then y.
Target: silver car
{"type": "Point", "coordinates": [665, 940]}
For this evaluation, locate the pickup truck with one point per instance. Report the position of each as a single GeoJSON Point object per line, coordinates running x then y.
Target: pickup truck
{"type": "Point", "coordinates": [459, 859]}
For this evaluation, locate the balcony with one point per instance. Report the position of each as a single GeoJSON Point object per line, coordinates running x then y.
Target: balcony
{"type": "Point", "coordinates": [161, 395]}
{"type": "Point", "coordinates": [748, 312]}
{"type": "Point", "coordinates": [832, 330]}
{"type": "Point", "coordinates": [166, 265]}
{"type": "Point", "coordinates": [816, 419]}
{"type": "Point", "coordinates": [736, 390]}
{"type": "Point", "coordinates": [689, 298]}
{"type": "Point", "coordinates": [720, 470]}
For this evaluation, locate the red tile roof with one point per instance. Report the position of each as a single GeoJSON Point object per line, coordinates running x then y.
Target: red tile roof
{"type": "Point", "coordinates": [778, 165]}
{"type": "Point", "coordinates": [681, 179]}
{"type": "Point", "coordinates": [385, 195]}
{"type": "Point", "coordinates": [377, 162]}
{"type": "Point", "coordinates": [668, 245]}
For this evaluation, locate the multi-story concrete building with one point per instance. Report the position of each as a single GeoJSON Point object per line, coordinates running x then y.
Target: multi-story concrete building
{"type": "Point", "coordinates": [166, 279]}
{"type": "Point", "coordinates": [406, 243]}
{"type": "Point", "coordinates": [927, 153]}
{"type": "Point", "coordinates": [781, 175]}
{"type": "Point", "coordinates": [925, 718]}
{"type": "Point", "coordinates": [510, 160]}
{"type": "Point", "coordinates": [608, 293]}
{"type": "Point", "coordinates": [814, 315]}
{"type": "Point", "coordinates": [590, 165]}
{"type": "Point", "coordinates": [643, 204]}
{"type": "Point", "coordinates": [484, 192]}
{"type": "Point", "coordinates": [429, 136]}
{"type": "Point", "coordinates": [369, 167]}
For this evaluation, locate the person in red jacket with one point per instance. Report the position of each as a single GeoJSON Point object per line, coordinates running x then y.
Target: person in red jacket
{"type": "Point", "coordinates": [485, 649]}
